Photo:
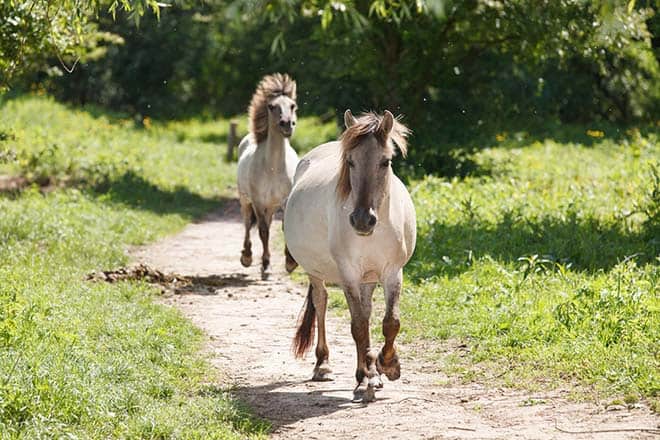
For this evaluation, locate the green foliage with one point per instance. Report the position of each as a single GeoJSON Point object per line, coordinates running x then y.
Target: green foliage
{"type": "Point", "coordinates": [543, 264]}
{"type": "Point", "coordinates": [33, 30]}
{"type": "Point", "coordinates": [92, 360]}
{"type": "Point", "coordinates": [460, 72]}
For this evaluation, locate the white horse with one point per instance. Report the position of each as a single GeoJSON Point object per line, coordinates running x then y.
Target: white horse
{"type": "Point", "coordinates": [266, 162]}
{"type": "Point", "coordinates": [350, 220]}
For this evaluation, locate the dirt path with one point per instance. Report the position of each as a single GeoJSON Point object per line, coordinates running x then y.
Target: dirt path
{"type": "Point", "coordinates": [250, 324]}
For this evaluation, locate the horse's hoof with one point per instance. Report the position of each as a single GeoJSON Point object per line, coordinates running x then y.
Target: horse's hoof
{"type": "Point", "coordinates": [323, 373]}
{"type": "Point", "coordinates": [265, 275]}
{"type": "Point", "coordinates": [323, 376]}
{"type": "Point", "coordinates": [369, 394]}
{"type": "Point", "coordinates": [246, 260]}
{"type": "Point", "coordinates": [376, 382]}
{"type": "Point", "coordinates": [391, 369]}
{"type": "Point", "coordinates": [358, 394]}
{"type": "Point", "coordinates": [364, 393]}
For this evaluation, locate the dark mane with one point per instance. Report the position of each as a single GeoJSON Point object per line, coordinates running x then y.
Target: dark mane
{"type": "Point", "coordinates": [368, 124]}
{"type": "Point", "coordinates": [269, 88]}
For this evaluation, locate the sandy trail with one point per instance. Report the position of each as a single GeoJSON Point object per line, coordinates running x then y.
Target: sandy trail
{"type": "Point", "coordinates": [250, 324]}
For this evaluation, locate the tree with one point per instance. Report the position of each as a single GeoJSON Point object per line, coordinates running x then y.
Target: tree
{"type": "Point", "coordinates": [33, 30]}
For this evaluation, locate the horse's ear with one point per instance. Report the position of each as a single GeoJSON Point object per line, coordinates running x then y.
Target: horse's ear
{"type": "Point", "coordinates": [349, 119]}
{"type": "Point", "coordinates": [387, 123]}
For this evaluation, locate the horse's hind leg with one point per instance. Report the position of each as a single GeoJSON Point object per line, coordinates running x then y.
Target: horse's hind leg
{"type": "Point", "coordinates": [388, 361]}
{"type": "Point", "coordinates": [249, 219]}
{"type": "Point", "coordinates": [290, 263]}
{"type": "Point", "coordinates": [264, 220]}
{"type": "Point", "coordinates": [322, 371]}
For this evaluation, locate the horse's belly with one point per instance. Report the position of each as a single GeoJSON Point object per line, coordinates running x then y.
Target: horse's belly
{"type": "Point", "coordinates": [324, 268]}
{"type": "Point", "coordinates": [310, 249]}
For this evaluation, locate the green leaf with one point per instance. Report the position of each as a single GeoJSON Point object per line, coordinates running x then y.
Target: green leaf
{"type": "Point", "coordinates": [326, 17]}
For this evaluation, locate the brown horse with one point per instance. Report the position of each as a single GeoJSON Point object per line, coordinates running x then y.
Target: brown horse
{"type": "Point", "coordinates": [350, 220]}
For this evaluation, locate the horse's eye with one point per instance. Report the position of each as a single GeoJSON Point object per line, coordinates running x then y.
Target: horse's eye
{"type": "Point", "coordinates": [350, 163]}
{"type": "Point", "coordinates": [293, 107]}
{"type": "Point", "coordinates": [385, 163]}
{"type": "Point", "coordinates": [271, 107]}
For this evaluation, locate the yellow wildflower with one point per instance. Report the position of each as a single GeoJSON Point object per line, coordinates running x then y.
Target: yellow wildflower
{"type": "Point", "coordinates": [595, 133]}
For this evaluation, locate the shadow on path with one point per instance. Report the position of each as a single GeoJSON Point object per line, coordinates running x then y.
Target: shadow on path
{"type": "Point", "coordinates": [283, 407]}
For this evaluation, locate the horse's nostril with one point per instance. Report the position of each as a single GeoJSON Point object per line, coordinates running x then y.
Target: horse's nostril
{"type": "Point", "coordinates": [372, 220]}
{"type": "Point", "coordinates": [282, 123]}
{"type": "Point", "coordinates": [293, 123]}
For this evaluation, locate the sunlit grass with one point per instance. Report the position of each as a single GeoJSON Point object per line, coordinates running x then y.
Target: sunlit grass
{"type": "Point", "coordinates": [546, 266]}
{"type": "Point", "coordinates": [91, 360]}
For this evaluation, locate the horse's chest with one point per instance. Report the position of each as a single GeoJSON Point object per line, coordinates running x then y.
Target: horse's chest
{"type": "Point", "coordinates": [278, 187]}
{"type": "Point", "coordinates": [371, 255]}
{"type": "Point", "coordinates": [272, 189]}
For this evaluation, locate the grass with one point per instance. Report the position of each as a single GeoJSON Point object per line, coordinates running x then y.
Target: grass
{"type": "Point", "coordinates": [546, 266]}
{"type": "Point", "coordinates": [90, 360]}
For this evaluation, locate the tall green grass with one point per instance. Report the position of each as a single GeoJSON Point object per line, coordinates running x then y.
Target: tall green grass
{"type": "Point", "coordinates": [544, 265]}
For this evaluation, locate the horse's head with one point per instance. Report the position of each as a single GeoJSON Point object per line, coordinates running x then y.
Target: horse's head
{"type": "Point", "coordinates": [273, 107]}
{"type": "Point", "coordinates": [282, 115]}
{"type": "Point", "coordinates": [367, 146]}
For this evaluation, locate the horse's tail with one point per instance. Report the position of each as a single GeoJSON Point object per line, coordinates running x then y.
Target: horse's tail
{"type": "Point", "coordinates": [305, 332]}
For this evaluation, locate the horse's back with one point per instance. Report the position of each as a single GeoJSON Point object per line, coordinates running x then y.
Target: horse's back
{"type": "Point", "coordinates": [323, 160]}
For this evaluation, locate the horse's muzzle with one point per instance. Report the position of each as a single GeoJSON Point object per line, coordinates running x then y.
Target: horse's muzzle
{"type": "Point", "coordinates": [286, 127]}
{"type": "Point", "coordinates": [363, 221]}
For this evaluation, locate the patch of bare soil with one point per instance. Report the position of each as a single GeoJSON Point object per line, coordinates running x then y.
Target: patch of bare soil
{"type": "Point", "coordinates": [12, 183]}
{"type": "Point", "coordinates": [250, 324]}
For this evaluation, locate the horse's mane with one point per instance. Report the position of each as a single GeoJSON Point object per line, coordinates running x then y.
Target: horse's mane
{"type": "Point", "coordinates": [269, 88]}
{"type": "Point", "coordinates": [366, 124]}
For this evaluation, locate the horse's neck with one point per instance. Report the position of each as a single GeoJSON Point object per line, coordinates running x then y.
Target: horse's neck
{"type": "Point", "coordinates": [385, 206]}
{"type": "Point", "coordinates": [275, 149]}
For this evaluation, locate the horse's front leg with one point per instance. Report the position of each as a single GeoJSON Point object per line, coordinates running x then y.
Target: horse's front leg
{"type": "Point", "coordinates": [264, 220]}
{"type": "Point", "coordinates": [388, 361]}
{"type": "Point", "coordinates": [359, 303]}
{"type": "Point", "coordinates": [249, 218]}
